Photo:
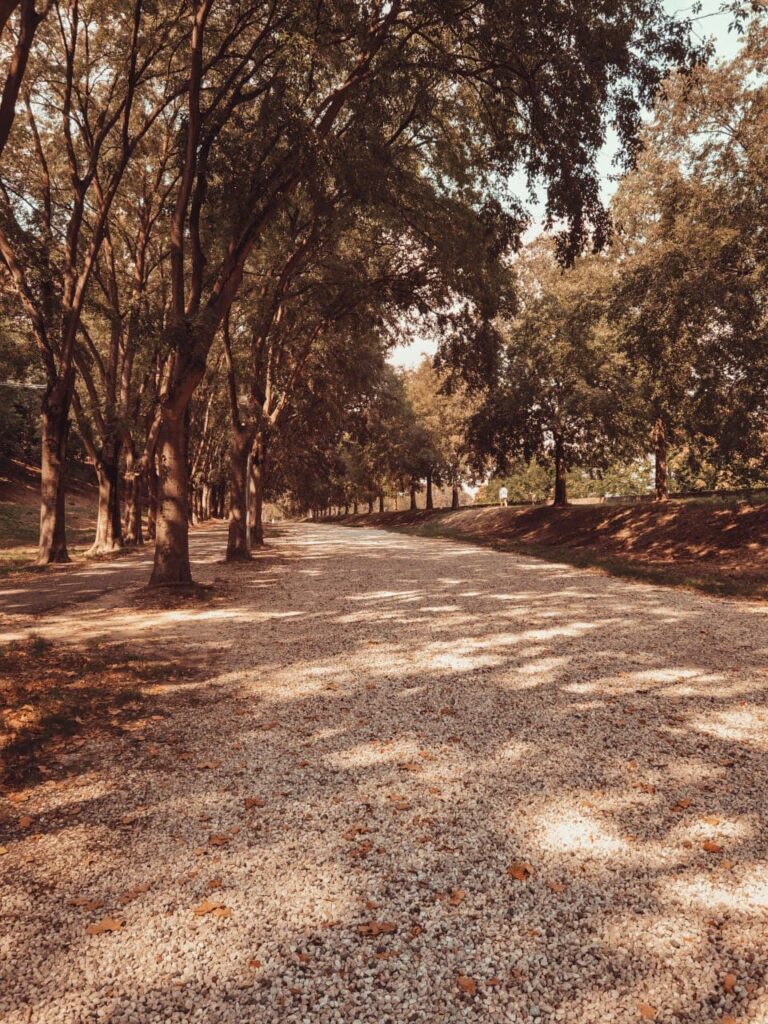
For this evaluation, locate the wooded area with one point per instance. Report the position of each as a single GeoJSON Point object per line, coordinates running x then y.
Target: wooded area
{"type": "Point", "coordinates": [217, 221]}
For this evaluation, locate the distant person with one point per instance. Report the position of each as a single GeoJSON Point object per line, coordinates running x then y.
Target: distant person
{"type": "Point", "coordinates": [503, 496]}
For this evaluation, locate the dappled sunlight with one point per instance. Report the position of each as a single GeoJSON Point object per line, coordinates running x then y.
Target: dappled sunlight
{"type": "Point", "coordinates": [571, 830]}
{"type": "Point", "coordinates": [406, 727]}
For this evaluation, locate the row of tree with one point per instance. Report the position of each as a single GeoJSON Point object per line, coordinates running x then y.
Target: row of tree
{"type": "Point", "coordinates": [216, 220]}
{"type": "Point", "coordinates": [656, 346]}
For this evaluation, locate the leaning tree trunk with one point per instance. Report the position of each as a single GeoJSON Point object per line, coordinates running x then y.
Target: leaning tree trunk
{"type": "Point", "coordinates": [55, 431]}
{"type": "Point", "coordinates": [172, 532]}
{"type": "Point", "coordinates": [561, 491]}
{"type": "Point", "coordinates": [414, 506]}
{"type": "Point", "coordinates": [660, 459]}
{"type": "Point", "coordinates": [429, 503]}
{"type": "Point", "coordinates": [256, 491]}
{"type": "Point", "coordinates": [455, 496]}
{"type": "Point", "coordinates": [238, 548]}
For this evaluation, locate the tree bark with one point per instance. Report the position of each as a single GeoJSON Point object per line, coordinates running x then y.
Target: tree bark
{"type": "Point", "coordinates": [55, 431]}
{"type": "Point", "coordinates": [132, 534]}
{"type": "Point", "coordinates": [256, 490]}
{"type": "Point", "coordinates": [238, 548]}
{"type": "Point", "coordinates": [660, 459]}
{"type": "Point", "coordinates": [109, 526]}
{"type": "Point", "coordinates": [561, 492]}
{"type": "Point", "coordinates": [429, 503]}
{"type": "Point", "coordinates": [152, 491]}
{"type": "Point", "coordinates": [172, 531]}
{"type": "Point", "coordinates": [414, 506]}
{"type": "Point", "coordinates": [455, 496]}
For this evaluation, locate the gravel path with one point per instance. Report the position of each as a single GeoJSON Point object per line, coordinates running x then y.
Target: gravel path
{"type": "Point", "coordinates": [421, 782]}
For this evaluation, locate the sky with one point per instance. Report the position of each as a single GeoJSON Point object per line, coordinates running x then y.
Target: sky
{"type": "Point", "coordinates": [711, 23]}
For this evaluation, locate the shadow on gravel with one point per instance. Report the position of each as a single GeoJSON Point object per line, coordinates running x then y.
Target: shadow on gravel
{"type": "Point", "coordinates": [416, 719]}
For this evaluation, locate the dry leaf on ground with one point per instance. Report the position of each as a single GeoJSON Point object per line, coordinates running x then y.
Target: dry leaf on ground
{"type": "Point", "coordinates": [467, 984]}
{"type": "Point", "coordinates": [646, 1011]}
{"type": "Point", "coordinates": [106, 924]}
{"type": "Point", "coordinates": [520, 870]}
{"type": "Point", "coordinates": [375, 928]}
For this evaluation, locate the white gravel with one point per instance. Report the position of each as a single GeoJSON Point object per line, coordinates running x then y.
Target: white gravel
{"type": "Point", "coordinates": [417, 717]}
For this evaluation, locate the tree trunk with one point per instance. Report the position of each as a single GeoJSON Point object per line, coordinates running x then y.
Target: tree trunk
{"type": "Point", "coordinates": [207, 490]}
{"type": "Point", "coordinates": [132, 534]}
{"type": "Point", "coordinates": [55, 431]}
{"type": "Point", "coordinates": [354, 508]}
{"type": "Point", "coordinates": [413, 496]}
{"type": "Point", "coordinates": [660, 459]}
{"type": "Point", "coordinates": [172, 532]}
{"type": "Point", "coordinates": [238, 549]}
{"type": "Point", "coordinates": [429, 503]}
{"type": "Point", "coordinates": [256, 491]}
{"type": "Point", "coordinates": [561, 492]}
{"type": "Point", "coordinates": [381, 501]}
{"type": "Point", "coordinates": [370, 505]}
{"type": "Point", "coordinates": [152, 491]}
{"type": "Point", "coordinates": [455, 496]}
{"type": "Point", "coordinates": [109, 525]}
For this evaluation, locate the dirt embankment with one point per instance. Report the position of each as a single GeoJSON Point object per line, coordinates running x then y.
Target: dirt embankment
{"type": "Point", "coordinates": [718, 548]}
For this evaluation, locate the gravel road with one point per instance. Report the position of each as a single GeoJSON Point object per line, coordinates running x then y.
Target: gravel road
{"type": "Point", "coordinates": [420, 781]}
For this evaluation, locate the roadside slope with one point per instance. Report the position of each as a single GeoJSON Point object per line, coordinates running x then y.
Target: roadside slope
{"type": "Point", "coordinates": [718, 548]}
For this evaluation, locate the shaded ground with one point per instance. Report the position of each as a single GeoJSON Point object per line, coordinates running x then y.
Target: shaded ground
{"type": "Point", "coordinates": [717, 547]}
{"type": "Point", "coordinates": [58, 585]}
{"type": "Point", "coordinates": [20, 513]}
{"type": "Point", "coordinates": [394, 779]}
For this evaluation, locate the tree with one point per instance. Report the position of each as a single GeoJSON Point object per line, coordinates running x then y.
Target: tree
{"type": "Point", "coordinates": [562, 396]}
{"type": "Point", "coordinates": [507, 87]}
{"type": "Point", "coordinates": [690, 304]}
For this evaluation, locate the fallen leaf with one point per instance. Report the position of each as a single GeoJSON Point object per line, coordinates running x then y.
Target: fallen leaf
{"type": "Point", "coordinates": [86, 904]}
{"type": "Point", "coordinates": [363, 849]}
{"type": "Point", "coordinates": [467, 984]}
{"type": "Point", "coordinates": [519, 871]}
{"type": "Point", "coordinates": [217, 839]}
{"type": "Point", "coordinates": [215, 883]}
{"type": "Point", "coordinates": [25, 821]}
{"type": "Point", "coordinates": [556, 886]}
{"type": "Point", "coordinates": [209, 907]}
{"type": "Point", "coordinates": [3, 850]}
{"type": "Point", "coordinates": [376, 928]}
{"type": "Point", "coordinates": [728, 1019]}
{"type": "Point", "coordinates": [646, 1011]}
{"type": "Point", "coordinates": [711, 846]}
{"type": "Point", "coordinates": [712, 821]}
{"type": "Point", "coordinates": [410, 766]}
{"type": "Point", "coordinates": [208, 765]}
{"type": "Point", "coordinates": [682, 805]}
{"type": "Point", "coordinates": [106, 924]}
{"type": "Point", "coordinates": [729, 982]}
{"type": "Point", "coordinates": [221, 912]}
{"type": "Point", "coordinates": [254, 964]}
{"type": "Point", "coordinates": [18, 798]}
{"type": "Point", "coordinates": [254, 801]}
{"type": "Point", "coordinates": [457, 896]}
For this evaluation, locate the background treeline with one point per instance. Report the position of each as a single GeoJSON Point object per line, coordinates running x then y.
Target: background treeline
{"type": "Point", "coordinates": [217, 219]}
